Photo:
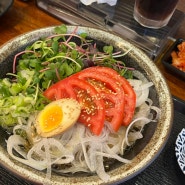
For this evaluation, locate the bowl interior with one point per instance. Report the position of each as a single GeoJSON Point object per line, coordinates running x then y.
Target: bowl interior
{"type": "Point", "coordinates": [155, 134]}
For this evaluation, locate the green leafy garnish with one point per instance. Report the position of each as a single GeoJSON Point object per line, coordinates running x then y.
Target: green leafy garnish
{"type": "Point", "coordinates": [45, 62]}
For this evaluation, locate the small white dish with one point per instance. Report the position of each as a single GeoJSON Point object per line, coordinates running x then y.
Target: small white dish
{"type": "Point", "coordinates": [180, 149]}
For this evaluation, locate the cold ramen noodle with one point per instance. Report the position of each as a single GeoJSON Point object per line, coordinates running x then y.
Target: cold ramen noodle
{"type": "Point", "coordinates": [71, 105]}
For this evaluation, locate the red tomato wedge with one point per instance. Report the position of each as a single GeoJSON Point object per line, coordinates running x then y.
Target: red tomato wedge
{"type": "Point", "coordinates": [110, 92]}
{"type": "Point", "coordinates": [130, 96]}
{"type": "Point", "coordinates": [93, 107]}
{"type": "Point", "coordinates": [103, 94]}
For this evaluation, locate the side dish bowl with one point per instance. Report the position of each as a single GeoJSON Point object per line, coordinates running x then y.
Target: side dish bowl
{"type": "Point", "coordinates": [167, 60]}
{"type": "Point", "coordinates": [145, 150]}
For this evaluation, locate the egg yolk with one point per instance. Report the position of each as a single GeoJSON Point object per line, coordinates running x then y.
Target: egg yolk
{"type": "Point", "coordinates": [51, 118]}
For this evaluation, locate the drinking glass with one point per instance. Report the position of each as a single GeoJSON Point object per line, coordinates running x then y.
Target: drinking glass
{"type": "Point", "coordinates": [154, 13]}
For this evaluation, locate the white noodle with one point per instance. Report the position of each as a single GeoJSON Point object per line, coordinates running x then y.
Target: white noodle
{"type": "Point", "coordinates": [78, 147]}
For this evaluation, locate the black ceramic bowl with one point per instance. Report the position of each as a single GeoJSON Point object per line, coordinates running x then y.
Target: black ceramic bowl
{"type": "Point", "coordinates": [143, 153]}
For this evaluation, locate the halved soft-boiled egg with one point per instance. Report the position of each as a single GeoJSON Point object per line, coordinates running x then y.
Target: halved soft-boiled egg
{"type": "Point", "coordinates": [57, 116]}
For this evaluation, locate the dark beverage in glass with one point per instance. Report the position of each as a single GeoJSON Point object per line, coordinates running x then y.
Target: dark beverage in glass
{"type": "Point", "coordinates": [154, 13]}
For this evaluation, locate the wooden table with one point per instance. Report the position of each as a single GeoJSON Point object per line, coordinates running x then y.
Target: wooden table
{"type": "Point", "coordinates": [26, 16]}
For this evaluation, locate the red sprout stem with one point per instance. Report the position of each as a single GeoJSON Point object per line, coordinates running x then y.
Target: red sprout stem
{"type": "Point", "coordinates": [45, 69]}
{"type": "Point", "coordinates": [67, 34]}
{"type": "Point", "coordinates": [74, 32]}
{"type": "Point", "coordinates": [15, 58]}
{"type": "Point", "coordinates": [57, 74]}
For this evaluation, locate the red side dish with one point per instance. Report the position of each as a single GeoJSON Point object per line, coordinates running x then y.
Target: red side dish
{"type": "Point", "coordinates": [178, 57]}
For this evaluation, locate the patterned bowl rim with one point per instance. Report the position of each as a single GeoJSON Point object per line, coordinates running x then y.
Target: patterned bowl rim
{"type": "Point", "coordinates": [180, 143]}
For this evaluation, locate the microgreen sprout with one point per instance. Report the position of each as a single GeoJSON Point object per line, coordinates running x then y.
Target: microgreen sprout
{"type": "Point", "coordinates": [47, 61]}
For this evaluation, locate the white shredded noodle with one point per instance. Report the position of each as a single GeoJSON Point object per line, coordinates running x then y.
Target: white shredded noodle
{"type": "Point", "coordinates": [78, 149]}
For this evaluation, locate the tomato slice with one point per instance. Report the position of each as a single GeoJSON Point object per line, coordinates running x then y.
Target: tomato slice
{"type": "Point", "coordinates": [110, 92]}
{"type": "Point", "coordinates": [93, 107]}
{"type": "Point", "coordinates": [103, 94]}
{"type": "Point", "coordinates": [60, 90]}
{"type": "Point", "coordinates": [130, 96]}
